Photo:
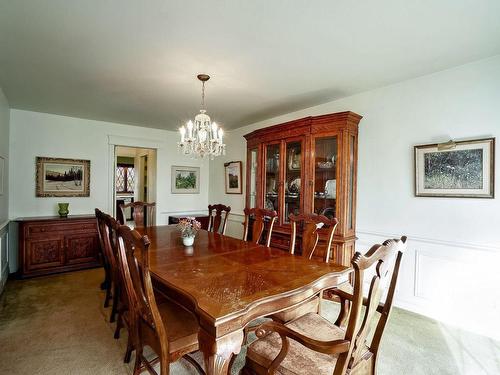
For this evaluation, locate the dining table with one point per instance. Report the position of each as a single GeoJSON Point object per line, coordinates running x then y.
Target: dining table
{"type": "Point", "coordinates": [227, 283]}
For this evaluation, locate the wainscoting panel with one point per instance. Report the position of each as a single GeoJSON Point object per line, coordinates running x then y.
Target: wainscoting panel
{"type": "Point", "coordinates": [457, 283]}
{"type": "Point", "coordinates": [451, 282]}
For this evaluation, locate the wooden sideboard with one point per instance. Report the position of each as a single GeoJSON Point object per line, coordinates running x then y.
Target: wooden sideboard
{"type": "Point", "coordinates": [53, 244]}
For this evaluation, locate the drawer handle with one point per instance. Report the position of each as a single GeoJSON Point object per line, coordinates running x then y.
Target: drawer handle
{"type": "Point", "coordinates": [42, 229]}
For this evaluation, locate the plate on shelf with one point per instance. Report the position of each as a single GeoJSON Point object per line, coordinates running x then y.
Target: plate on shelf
{"type": "Point", "coordinates": [331, 188]}
{"type": "Point", "coordinates": [325, 165]}
{"type": "Point", "coordinates": [294, 186]}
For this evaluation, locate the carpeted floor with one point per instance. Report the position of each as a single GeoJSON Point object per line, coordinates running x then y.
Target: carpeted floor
{"type": "Point", "coordinates": [57, 325]}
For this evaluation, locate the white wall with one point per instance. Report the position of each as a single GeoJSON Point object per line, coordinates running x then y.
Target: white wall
{"type": "Point", "coordinates": [37, 134]}
{"type": "Point", "coordinates": [453, 241]}
{"type": "Point", "coordinates": [4, 196]}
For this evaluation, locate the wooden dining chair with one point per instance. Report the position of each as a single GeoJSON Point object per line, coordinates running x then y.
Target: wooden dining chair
{"type": "Point", "coordinates": [167, 328]}
{"type": "Point", "coordinates": [259, 218]}
{"type": "Point", "coordinates": [217, 223]}
{"type": "Point", "coordinates": [107, 283]}
{"type": "Point", "coordinates": [311, 344]}
{"type": "Point", "coordinates": [309, 226]}
{"type": "Point", "coordinates": [142, 212]}
{"type": "Point", "coordinates": [108, 227]}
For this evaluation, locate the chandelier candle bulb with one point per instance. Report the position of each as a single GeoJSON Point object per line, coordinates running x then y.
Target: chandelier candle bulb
{"type": "Point", "coordinates": [214, 130]}
{"type": "Point", "coordinates": [190, 129]}
{"type": "Point", "coordinates": [221, 132]}
{"type": "Point", "coordinates": [183, 133]}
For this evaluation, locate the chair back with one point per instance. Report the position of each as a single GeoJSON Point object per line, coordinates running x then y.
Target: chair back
{"type": "Point", "coordinates": [132, 250]}
{"type": "Point", "coordinates": [260, 217]}
{"type": "Point", "coordinates": [217, 223]}
{"type": "Point", "coordinates": [142, 212]}
{"type": "Point", "coordinates": [311, 223]}
{"type": "Point", "coordinates": [380, 260]}
{"type": "Point", "coordinates": [102, 233]}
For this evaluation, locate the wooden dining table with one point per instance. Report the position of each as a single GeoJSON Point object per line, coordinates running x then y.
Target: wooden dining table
{"type": "Point", "coordinates": [227, 283]}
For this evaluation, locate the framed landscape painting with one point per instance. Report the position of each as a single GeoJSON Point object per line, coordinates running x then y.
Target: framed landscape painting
{"type": "Point", "coordinates": [464, 169]}
{"type": "Point", "coordinates": [57, 177]}
{"type": "Point", "coordinates": [232, 171]}
{"type": "Point", "coordinates": [185, 180]}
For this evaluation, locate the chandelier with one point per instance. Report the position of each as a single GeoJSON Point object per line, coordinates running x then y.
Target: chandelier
{"type": "Point", "coordinates": [202, 137]}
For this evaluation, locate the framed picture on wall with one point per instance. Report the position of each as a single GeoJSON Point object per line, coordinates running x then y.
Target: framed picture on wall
{"type": "Point", "coordinates": [232, 171]}
{"type": "Point", "coordinates": [463, 169]}
{"type": "Point", "coordinates": [185, 180]}
{"type": "Point", "coordinates": [57, 177]}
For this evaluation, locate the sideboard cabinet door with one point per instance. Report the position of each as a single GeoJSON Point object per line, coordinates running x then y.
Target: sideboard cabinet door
{"type": "Point", "coordinates": [44, 253]}
{"type": "Point", "coordinates": [81, 248]}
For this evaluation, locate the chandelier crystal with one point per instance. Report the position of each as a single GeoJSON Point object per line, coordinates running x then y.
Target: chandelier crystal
{"type": "Point", "coordinates": [202, 138]}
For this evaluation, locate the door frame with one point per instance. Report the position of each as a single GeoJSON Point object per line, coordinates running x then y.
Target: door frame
{"type": "Point", "coordinates": [118, 140]}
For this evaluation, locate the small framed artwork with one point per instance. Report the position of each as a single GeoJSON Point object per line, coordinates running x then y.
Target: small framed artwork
{"type": "Point", "coordinates": [2, 172]}
{"type": "Point", "coordinates": [185, 180]}
{"type": "Point", "coordinates": [463, 169]}
{"type": "Point", "coordinates": [232, 171]}
{"type": "Point", "coordinates": [57, 177]}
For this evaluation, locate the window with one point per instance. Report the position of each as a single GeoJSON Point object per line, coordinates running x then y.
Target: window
{"type": "Point", "coordinates": [125, 178]}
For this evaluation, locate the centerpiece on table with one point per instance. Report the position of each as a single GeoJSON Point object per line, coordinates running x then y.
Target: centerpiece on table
{"type": "Point", "coordinates": [188, 226]}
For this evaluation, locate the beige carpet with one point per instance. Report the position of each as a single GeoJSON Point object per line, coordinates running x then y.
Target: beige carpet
{"type": "Point", "coordinates": [57, 325]}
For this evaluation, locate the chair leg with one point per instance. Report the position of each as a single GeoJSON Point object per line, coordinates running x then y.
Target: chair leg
{"type": "Point", "coordinates": [138, 362]}
{"type": "Point", "coordinates": [114, 309]}
{"type": "Point", "coordinates": [344, 312]}
{"type": "Point", "coordinates": [119, 326]}
{"type": "Point", "coordinates": [128, 353]}
{"type": "Point", "coordinates": [108, 295]}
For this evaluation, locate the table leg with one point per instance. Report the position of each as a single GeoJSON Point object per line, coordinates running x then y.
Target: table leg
{"type": "Point", "coordinates": [217, 352]}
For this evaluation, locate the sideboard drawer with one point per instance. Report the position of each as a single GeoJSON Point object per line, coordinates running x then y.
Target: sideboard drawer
{"type": "Point", "coordinates": [43, 229]}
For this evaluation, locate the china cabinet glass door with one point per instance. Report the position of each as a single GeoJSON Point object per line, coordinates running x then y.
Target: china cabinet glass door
{"type": "Point", "coordinates": [272, 178]}
{"type": "Point", "coordinates": [252, 177]}
{"type": "Point", "coordinates": [293, 179]}
{"type": "Point", "coordinates": [325, 176]}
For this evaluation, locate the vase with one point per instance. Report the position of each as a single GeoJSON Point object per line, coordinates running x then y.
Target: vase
{"type": "Point", "coordinates": [63, 209]}
{"type": "Point", "coordinates": [188, 240]}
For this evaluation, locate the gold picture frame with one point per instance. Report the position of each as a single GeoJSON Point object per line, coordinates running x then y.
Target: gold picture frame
{"type": "Point", "coordinates": [59, 177]}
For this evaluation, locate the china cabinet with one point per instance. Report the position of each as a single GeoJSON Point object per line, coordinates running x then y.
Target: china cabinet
{"type": "Point", "coordinates": [303, 166]}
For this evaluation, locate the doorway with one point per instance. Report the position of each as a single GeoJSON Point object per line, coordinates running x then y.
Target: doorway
{"type": "Point", "coordinates": [134, 178]}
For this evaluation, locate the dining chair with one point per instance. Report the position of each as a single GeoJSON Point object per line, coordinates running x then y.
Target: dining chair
{"type": "Point", "coordinates": [217, 223]}
{"type": "Point", "coordinates": [259, 218]}
{"type": "Point", "coordinates": [309, 225]}
{"type": "Point", "coordinates": [142, 212]}
{"type": "Point", "coordinates": [108, 227]}
{"type": "Point", "coordinates": [311, 344]}
{"type": "Point", "coordinates": [107, 283]}
{"type": "Point", "coordinates": [167, 328]}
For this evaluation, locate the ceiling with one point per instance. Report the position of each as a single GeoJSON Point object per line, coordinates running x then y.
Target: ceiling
{"type": "Point", "coordinates": [135, 61]}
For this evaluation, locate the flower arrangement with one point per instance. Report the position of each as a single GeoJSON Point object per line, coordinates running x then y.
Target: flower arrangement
{"type": "Point", "coordinates": [189, 226]}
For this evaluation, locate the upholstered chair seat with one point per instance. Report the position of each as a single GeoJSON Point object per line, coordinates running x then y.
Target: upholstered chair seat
{"type": "Point", "coordinates": [299, 360]}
